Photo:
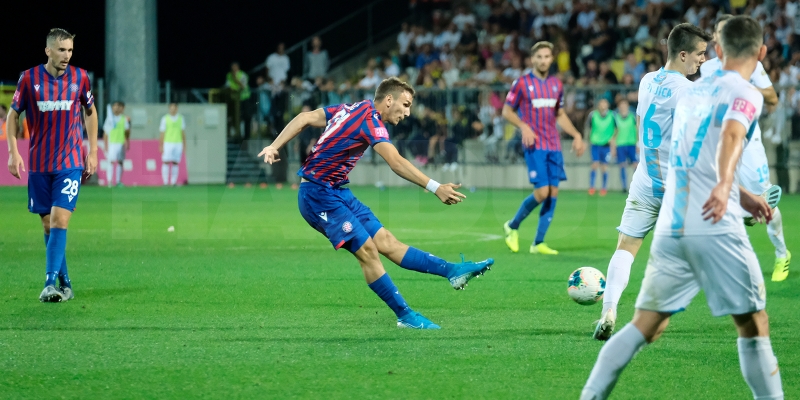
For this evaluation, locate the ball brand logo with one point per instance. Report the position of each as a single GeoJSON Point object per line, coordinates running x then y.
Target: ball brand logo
{"type": "Point", "coordinates": [59, 105]}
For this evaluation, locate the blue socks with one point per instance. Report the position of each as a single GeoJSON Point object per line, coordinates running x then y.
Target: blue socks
{"type": "Point", "coordinates": [387, 291]}
{"type": "Point", "coordinates": [63, 276]}
{"type": "Point", "coordinates": [56, 246]}
{"type": "Point", "coordinates": [605, 179]}
{"type": "Point", "coordinates": [528, 205]}
{"type": "Point", "coordinates": [545, 217]}
{"type": "Point", "coordinates": [420, 261]}
{"type": "Point", "coordinates": [592, 178]}
{"type": "Point", "coordinates": [624, 177]}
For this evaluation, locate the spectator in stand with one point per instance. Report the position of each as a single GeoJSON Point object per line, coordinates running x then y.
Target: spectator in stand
{"type": "Point", "coordinates": [626, 22]}
{"type": "Point", "coordinates": [489, 75]}
{"type": "Point", "coordinates": [603, 40]}
{"type": "Point", "coordinates": [238, 82]}
{"type": "Point", "coordinates": [634, 68]}
{"type": "Point", "coordinates": [450, 75]}
{"type": "Point", "coordinates": [264, 90]}
{"type": "Point", "coordinates": [317, 61]}
{"type": "Point", "coordinates": [514, 71]}
{"type": "Point", "coordinates": [437, 38]}
{"type": "Point", "coordinates": [694, 13]}
{"type": "Point", "coordinates": [370, 81]}
{"type": "Point", "coordinates": [446, 54]}
{"type": "Point", "coordinates": [585, 20]}
{"type": "Point", "coordinates": [469, 41]}
{"type": "Point", "coordinates": [605, 75]}
{"type": "Point", "coordinates": [422, 37]}
{"type": "Point", "coordinates": [591, 69]}
{"type": "Point", "coordinates": [462, 19]}
{"type": "Point", "coordinates": [390, 69]}
{"type": "Point", "coordinates": [563, 58]}
{"type": "Point", "coordinates": [425, 56]}
{"type": "Point", "coordinates": [404, 40]}
{"type": "Point", "coordinates": [278, 65]}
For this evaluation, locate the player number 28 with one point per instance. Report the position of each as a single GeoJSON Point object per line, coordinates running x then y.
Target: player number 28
{"type": "Point", "coordinates": [71, 189]}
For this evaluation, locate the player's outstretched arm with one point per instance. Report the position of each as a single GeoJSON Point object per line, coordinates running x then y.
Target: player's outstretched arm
{"type": "Point", "coordinates": [403, 168]}
{"type": "Point", "coordinates": [91, 132]}
{"type": "Point", "coordinates": [566, 124]}
{"type": "Point", "coordinates": [730, 150]}
{"type": "Point", "coordinates": [528, 135]}
{"type": "Point", "coordinates": [15, 162]}
{"type": "Point", "coordinates": [314, 118]}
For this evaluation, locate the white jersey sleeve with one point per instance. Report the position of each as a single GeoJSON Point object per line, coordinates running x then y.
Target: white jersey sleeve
{"type": "Point", "coordinates": [760, 78]}
{"type": "Point", "coordinates": [162, 127]}
{"type": "Point", "coordinates": [658, 92]}
{"type": "Point", "coordinates": [693, 170]}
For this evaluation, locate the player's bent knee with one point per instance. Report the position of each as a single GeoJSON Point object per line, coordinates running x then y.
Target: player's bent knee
{"type": "Point", "coordinates": [385, 241]}
{"type": "Point", "coordinates": [629, 244]}
{"type": "Point", "coordinates": [650, 323]}
{"type": "Point", "coordinates": [752, 325]}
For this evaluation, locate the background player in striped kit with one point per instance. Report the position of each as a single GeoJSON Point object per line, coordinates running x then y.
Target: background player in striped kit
{"type": "Point", "coordinates": [658, 93]}
{"type": "Point", "coordinates": [534, 105]}
{"type": "Point", "coordinates": [335, 212]}
{"type": "Point", "coordinates": [700, 241]}
{"type": "Point", "coordinates": [627, 136]}
{"type": "Point", "coordinates": [51, 96]}
{"type": "Point", "coordinates": [600, 127]}
{"type": "Point", "coordinates": [754, 173]}
{"type": "Point", "coordinates": [117, 138]}
{"type": "Point", "coordinates": [173, 141]}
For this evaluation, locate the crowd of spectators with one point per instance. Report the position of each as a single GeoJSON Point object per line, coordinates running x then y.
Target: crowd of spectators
{"type": "Point", "coordinates": [483, 46]}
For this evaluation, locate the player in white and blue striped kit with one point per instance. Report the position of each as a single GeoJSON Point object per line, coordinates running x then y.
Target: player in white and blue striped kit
{"type": "Point", "coordinates": [700, 240]}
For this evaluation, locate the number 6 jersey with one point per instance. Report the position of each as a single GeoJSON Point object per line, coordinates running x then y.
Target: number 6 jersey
{"type": "Point", "coordinates": [696, 137]}
{"type": "Point", "coordinates": [658, 92]}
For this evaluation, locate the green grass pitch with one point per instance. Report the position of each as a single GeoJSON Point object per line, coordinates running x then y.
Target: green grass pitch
{"type": "Point", "coordinates": [244, 300]}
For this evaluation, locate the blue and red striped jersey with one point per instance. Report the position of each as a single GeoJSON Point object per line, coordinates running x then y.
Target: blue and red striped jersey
{"type": "Point", "coordinates": [537, 102]}
{"type": "Point", "coordinates": [351, 129]}
{"type": "Point", "coordinates": [52, 108]}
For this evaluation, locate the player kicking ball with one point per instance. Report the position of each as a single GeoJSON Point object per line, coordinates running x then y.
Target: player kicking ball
{"type": "Point", "coordinates": [332, 209]}
{"type": "Point", "coordinates": [754, 173]}
{"type": "Point", "coordinates": [52, 95]}
{"type": "Point", "coordinates": [658, 94]}
{"type": "Point", "coordinates": [700, 241]}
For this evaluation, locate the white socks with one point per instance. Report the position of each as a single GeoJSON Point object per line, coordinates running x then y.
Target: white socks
{"type": "Point", "coordinates": [173, 179]}
{"type": "Point", "coordinates": [760, 368]}
{"type": "Point", "coordinates": [775, 232]}
{"type": "Point", "coordinates": [165, 173]}
{"type": "Point", "coordinates": [615, 355]}
{"type": "Point", "coordinates": [110, 173]}
{"type": "Point", "coordinates": [619, 271]}
{"type": "Point", "coordinates": [119, 173]}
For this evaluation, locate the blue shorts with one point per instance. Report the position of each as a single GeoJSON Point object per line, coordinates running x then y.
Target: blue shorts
{"type": "Point", "coordinates": [545, 167]}
{"type": "Point", "coordinates": [338, 215]}
{"type": "Point", "coordinates": [600, 153]}
{"type": "Point", "coordinates": [627, 154]}
{"type": "Point", "coordinates": [53, 189]}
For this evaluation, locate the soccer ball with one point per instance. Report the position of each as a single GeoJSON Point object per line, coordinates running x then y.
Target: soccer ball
{"type": "Point", "coordinates": [586, 285]}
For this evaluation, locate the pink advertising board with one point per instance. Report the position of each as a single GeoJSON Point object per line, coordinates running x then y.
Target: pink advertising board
{"type": "Point", "coordinates": [142, 165]}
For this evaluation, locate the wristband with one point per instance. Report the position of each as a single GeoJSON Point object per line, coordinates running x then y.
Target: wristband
{"type": "Point", "coordinates": [432, 186]}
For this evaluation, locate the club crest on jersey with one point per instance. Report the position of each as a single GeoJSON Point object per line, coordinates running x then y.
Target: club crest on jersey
{"type": "Point", "coordinates": [555, 88]}
{"type": "Point", "coordinates": [73, 87]}
{"type": "Point", "coordinates": [59, 105]}
{"type": "Point", "coordinates": [347, 227]}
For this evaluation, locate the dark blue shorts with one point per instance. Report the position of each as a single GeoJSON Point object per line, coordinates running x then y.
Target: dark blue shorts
{"type": "Point", "coordinates": [627, 154]}
{"type": "Point", "coordinates": [338, 215]}
{"type": "Point", "coordinates": [53, 189]}
{"type": "Point", "coordinates": [545, 168]}
{"type": "Point", "coordinates": [600, 153]}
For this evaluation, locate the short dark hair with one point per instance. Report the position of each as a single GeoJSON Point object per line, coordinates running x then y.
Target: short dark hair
{"type": "Point", "coordinates": [685, 37]}
{"type": "Point", "coordinates": [720, 19]}
{"type": "Point", "coordinates": [541, 45]}
{"type": "Point", "coordinates": [58, 34]}
{"type": "Point", "coordinates": [741, 37]}
{"type": "Point", "coordinates": [392, 86]}
{"type": "Point", "coordinates": [120, 103]}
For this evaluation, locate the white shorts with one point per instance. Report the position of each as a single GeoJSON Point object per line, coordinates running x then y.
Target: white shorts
{"type": "Point", "coordinates": [724, 266]}
{"type": "Point", "coordinates": [172, 152]}
{"type": "Point", "coordinates": [754, 171]}
{"type": "Point", "coordinates": [640, 216]}
{"type": "Point", "coordinates": [116, 152]}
